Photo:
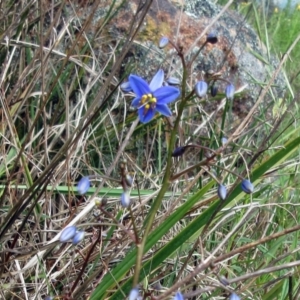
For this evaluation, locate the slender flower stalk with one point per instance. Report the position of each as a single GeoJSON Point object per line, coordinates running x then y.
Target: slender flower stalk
{"type": "Point", "coordinates": [153, 97]}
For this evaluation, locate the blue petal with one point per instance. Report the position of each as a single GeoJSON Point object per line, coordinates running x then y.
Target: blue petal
{"type": "Point", "coordinates": [147, 117]}
{"type": "Point", "coordinates": [163, 109]}
{"type": "Point", "coordinates": [157, 80]}
{"type": "Point", "coordinates": [135, 102]}
{"type": "Point", "coordinates": [166, 94]}
{"type": "Point", "coordinates": [139, 85]}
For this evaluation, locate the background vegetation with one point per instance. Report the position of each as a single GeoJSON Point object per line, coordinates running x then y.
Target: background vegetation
{"type": "Point", "coordinates": [63, 116]}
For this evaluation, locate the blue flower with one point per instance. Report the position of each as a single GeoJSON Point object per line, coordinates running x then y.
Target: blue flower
{"type": "Point", "coordinates": [234, 296]}
{"type": "Point", "coordinates": [163, 42]}
{"type": "Point", "coordinates": [201, 88]}
{"type": "Point", "coordinates": [125, 199]}
{"type": "Point", "coordinates": [134, 294]}
{"type": "Point", "coordinates": [222, 192]}
{"type": "Point", "coordinates": [152, 97]}
{"type": "Point", "coordinates": [83, 185]}
{"type": "Point", "coordinates": [178, 296]}
{"type": "Point", "coordinates": [125, 87]}
{"type": "Point", "coordinates": [229, 91]}
{"type": "Point", "coordinates": [247, 186]}
{"type": "Point", "coordinates": [224, 140]}
{"type": "Point", "coordinates": [67, 234]}
{"type": "Point", "coordinates": [78, 237]}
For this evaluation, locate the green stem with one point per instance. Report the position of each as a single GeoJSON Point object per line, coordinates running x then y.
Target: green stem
{"type": "Point", "coordinates": [166, 180]}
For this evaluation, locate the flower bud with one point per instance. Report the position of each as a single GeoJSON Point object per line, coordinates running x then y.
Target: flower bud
{"type": "Point", "coordinates": [247, 186]}
{"type": "Point", "coordinates": [234, 296]}
{"type": "Point", "coordinates": [163, 42]}
{"type": "Point", "coordinates": [201, 88]}
{"type": "Point", "coordinates": [229, 91]}
{"type": "Point", "coordinates": [222, 192]}
{"type": "Point", "coordinates": [78, 237]}
{"type": "Point", "coordinates": [125, 199]}
{"type": "Point", "coordinates": [179, 151]}
{"type": "Point", "coordinates": [134, 294]}
{"type": "Point", "coordinates": [213, 90]}
{"type": "Point", "coordinates": [224, 280]}
{"type": "Point", "coordinates": [126, 87]}
{"type": "Point", "coordinates": [178, 296]}
{"type": "Point", "coordinates": [48, 298]}
{"type": "Point", "coordinates": [173, 81]}
{"type": "Point", "coordinates": [83, 185]}
{"type": "Point", "coordinates": [67, 234]}
{"type": "Point", "coordinates": [128, 180]}
{"type": "Point", "coordinates": [212, 38]}
{"type": "Point", "coordinates": [224, 140]}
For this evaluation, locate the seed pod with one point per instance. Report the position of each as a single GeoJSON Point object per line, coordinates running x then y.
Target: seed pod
{"type": "Point", "coordinates": [83, 185]}
{"type": "Point", "coordinates": [179, 151]}
{"type": "Point", "coordinates": [212, 38]}
{"type": "Point", "coordinates": [163, 42]}
{"type": "Point", "coordinates": [247, 186]}
{"type": "Point", "coordinates": [229, 91]}
{"type": "Point", "coordinates": [201, 88]}
{"type": "Point", "coordinates": [78, 237]}
{"type": "Point", "coordinates": [67, 234]}
{"type": "Point", "coordinates": [213, 90]}
{"type": "Point", "coordinates": [222, 192]}
{"type": "Point", "coordinates": [128, 180]}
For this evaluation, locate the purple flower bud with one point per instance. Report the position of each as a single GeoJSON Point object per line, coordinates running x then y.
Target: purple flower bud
{"type": "Point", "coordinates": [83, 185]}
{"type": "Point", "coordinates": [224, 140]}
{"type": "Point", "coordinates": [78, 237]}
{"type": "Point", "coordinates": [212, 38]}
{"type": "Point", "coordinates": [234, 296]}
{"type": "Point", "coordinates": [48, 298]}
{"type": "Point", "coordinates": [173, 81]}
{"type": "Point", "coordinates": [163, 42]}
{"type": "Point", "coordinates": [134, 294]}
{"type": "Point", "coordinates": [229, 91]}
{"type": "Point", "coordinates": [126, 87]}
{"type": "Point", "coordinates": [128, 180]}
{"type": "Point", "coordinates": [125, 199]}
{"type": "Point", "coordinates": [213, 90]}
{"type": "Point", "coordinates": [178, 296]}
{"type": "Point", "coordinates": [201, 88]}
{"type": "Point", "coordinates": [178, 151]}
{"type": "Point", "coordinates": [67, 234]}
{"type": "Point", "coordinates": [222, 192]}
{"type": "Point", "coordinates": [247, 186]}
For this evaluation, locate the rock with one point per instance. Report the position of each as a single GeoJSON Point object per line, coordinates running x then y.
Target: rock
{"type": "Point", "coordinates": [235, 55]}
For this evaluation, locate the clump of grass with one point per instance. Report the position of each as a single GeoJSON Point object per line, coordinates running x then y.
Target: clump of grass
{"type": "Point", "coordinates": [64, 118]}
